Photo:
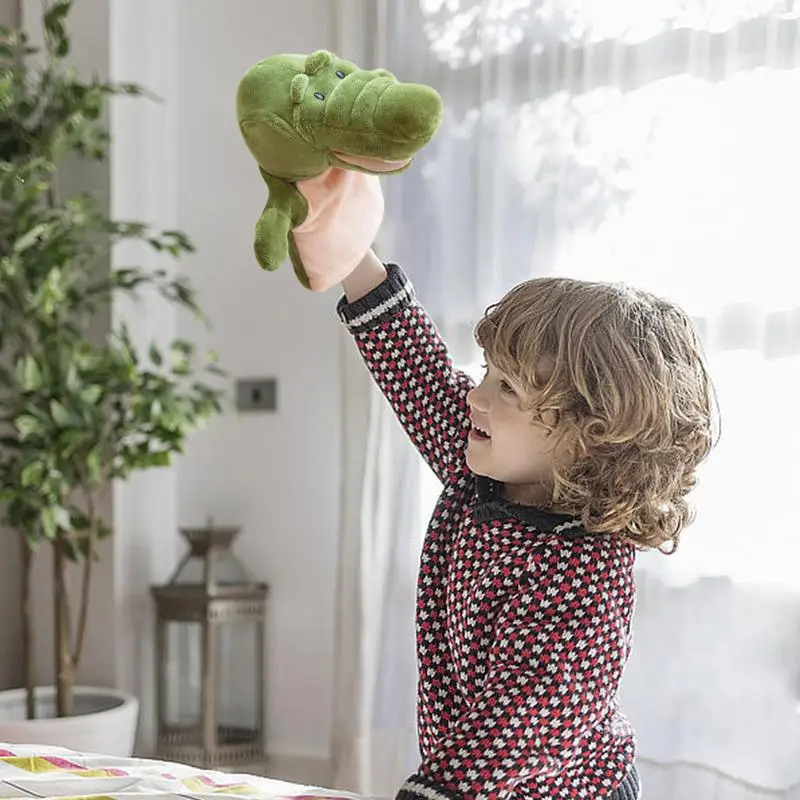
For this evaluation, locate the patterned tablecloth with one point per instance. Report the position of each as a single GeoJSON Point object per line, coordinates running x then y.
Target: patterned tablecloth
{"type": "Point", "coordinates": [28, 771]}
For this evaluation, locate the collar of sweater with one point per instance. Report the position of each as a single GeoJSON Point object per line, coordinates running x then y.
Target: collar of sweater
{"type": "Point", "coordinates": [491, 504]}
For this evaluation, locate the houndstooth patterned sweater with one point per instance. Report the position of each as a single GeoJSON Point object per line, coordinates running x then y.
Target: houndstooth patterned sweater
{"type": "Point", "coordinates": [523, 619]}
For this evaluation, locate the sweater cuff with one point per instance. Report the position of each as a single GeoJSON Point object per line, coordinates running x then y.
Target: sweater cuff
{"type": "Point", "coordinates": [379, 305]}
{"type": "Point", "coordinates": [418, 787]}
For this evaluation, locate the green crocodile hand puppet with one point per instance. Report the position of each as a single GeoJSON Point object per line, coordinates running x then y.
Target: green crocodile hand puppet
{"type": "Point", "coordinates": [322, 130]}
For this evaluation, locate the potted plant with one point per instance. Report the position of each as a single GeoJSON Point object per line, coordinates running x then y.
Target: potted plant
{"type": "Point", "coordinates": [77, 411]}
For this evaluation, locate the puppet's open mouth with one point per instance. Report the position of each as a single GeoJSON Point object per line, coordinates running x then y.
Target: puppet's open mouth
{"type": "Point", "coordinates": [372, 164]}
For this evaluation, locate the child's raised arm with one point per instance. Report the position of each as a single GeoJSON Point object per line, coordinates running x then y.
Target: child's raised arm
{"type": "Point", "coordinates": [409, 361]}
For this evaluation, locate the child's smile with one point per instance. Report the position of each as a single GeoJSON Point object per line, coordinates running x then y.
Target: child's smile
{"type": "Point", "coordinates": [505, 443]}
{"type": "Point", "coordinates": [478, 433]}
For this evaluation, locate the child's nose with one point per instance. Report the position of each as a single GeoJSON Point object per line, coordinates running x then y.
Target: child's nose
{"type": "Point", "coordinates": [475, 399]}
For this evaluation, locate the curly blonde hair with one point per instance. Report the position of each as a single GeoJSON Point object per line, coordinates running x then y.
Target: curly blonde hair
{"type": "Point", "coordinates": [620, 373]}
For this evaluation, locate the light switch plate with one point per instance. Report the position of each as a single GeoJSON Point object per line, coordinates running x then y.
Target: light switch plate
{"type": "Point", "coordinates": [257, 394]}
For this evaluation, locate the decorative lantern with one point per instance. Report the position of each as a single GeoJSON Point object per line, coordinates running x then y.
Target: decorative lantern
{"type": "Point", "coordinates": [210, 620]}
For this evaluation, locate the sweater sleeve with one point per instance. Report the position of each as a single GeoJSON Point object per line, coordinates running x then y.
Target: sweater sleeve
{"type": "Point", "coordinates": [409, 361]}
{"type": "Point", "coordinates": [555, 666]}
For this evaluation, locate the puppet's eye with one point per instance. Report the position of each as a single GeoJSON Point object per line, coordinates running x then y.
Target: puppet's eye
{"type": "Point", "coordinates": [319, 95]}
{"type": "Point", "coordinates": [339, 73]}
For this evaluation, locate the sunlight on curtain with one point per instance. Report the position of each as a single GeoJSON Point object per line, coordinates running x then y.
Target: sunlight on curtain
{"type": "Point", "coordinates": [711, 222]}
{"type": "Point", "coordinates": [464, 31]}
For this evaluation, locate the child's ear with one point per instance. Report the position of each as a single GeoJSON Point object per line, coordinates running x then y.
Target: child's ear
{"type": "Point", "coordinates": [550, 419]}
{"type": "Point", "coordinates": [572, 443]}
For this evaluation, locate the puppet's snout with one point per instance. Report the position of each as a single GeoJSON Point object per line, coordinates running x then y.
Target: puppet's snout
{"type": "Point", "coordinates": [408, 112]}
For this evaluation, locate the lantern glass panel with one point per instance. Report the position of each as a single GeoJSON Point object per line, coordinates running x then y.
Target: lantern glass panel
{"type": "Point", "coordinates": [238, 681]}
{"type": "Point", "coordinates": [183, 663]}
{"type": "Point", "coordinates": [228, 571]}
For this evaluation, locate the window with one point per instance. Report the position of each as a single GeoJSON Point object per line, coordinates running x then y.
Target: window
{"type": "Point", "coordinates": [648, 142]}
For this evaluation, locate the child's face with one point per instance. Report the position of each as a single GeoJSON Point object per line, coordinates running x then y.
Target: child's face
{"type": "Point", "coordinates": [505, 442]}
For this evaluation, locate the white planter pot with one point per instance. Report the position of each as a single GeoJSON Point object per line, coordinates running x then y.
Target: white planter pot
{"type": "Point", "coordinates": [104, 721]}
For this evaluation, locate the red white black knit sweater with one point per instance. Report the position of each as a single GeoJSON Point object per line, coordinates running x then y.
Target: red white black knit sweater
{"type": "Point", "coordinates": [523, 619]}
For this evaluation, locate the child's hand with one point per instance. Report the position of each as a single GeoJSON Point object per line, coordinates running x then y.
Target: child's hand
{"type": "Point", "coordinates": [345, 211]}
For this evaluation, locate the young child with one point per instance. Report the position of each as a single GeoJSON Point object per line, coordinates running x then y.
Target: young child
{"type": "Point", "coordinates": [577, 448]}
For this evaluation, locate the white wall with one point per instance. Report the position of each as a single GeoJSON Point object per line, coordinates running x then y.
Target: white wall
{"type": "Point", "coordinates": [143, 187]}
{"type": "Point", "coordinates": [277, 475]}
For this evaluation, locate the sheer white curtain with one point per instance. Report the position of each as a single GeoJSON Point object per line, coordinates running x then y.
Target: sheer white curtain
{"type": "Point", "coordinates": [374, 733]}
{"type": "Point", "coordinates": [656, 142]}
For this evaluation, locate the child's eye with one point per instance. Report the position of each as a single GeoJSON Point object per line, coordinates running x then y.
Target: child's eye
{"type": "Point", "coordinates": [506, 387]}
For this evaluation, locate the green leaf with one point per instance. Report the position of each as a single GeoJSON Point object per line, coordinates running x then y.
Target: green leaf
{"type": "Point", "coordinates": [30, 238]}
{"type": "Point", "coordinates": [55, 26]}
{"type": "Point", "coordinates": [80, 522]}
{"type": "Point", "coordinates": [49, 525]}
{"type": "Point", "coordinates": [103, 530]}
{"type": "Point", "coordinates": [31, 377]}
{"type": "Point", "coordinates": [61, 416]}
{"type": "Point", "coordinates": [127, 279]}
{"type": "Point", "coordinates": [32, 474]}
{"type": "Point", "coordinates": [91, 394]}
{"type": "Point", "coordinates": [56, 14]}
{"type": "Point", "coordinates": [69, 442]}
{"type": "Point", "coordinates": [62, 518]}
{"type": "Point", "coordinates": [67, 547]}
{"type": "Point", "coordinates": [155, 356]}
{"type": "Point", "coordinates": [73, 379]}
{"type": "Point", "coordinates": [94, 465]}
{"type": "Point", "coordinates": [182, 347]}
{"type": "Point", "coordinates": [85, 545]}
{"type": "Point", "coordinates": [161, 459]}
{"type": "Point", "coordinates": [27, 425]}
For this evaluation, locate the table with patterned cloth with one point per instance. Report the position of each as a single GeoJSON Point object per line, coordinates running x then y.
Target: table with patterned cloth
{"type": "Point", "coordinates": [31, 771]}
